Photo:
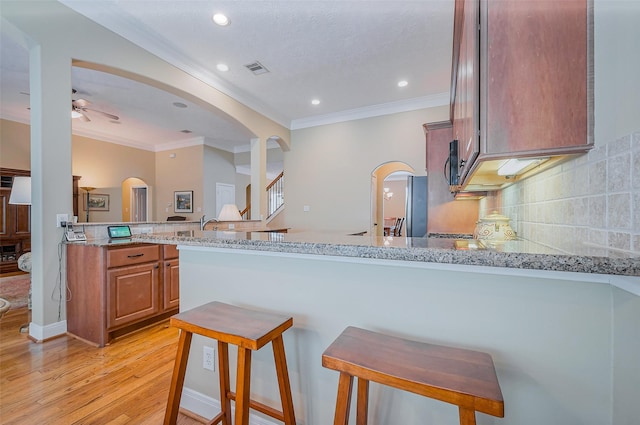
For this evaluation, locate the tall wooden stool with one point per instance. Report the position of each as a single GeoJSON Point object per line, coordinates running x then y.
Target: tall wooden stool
{"type": "Point", "coordinates": [461, 377]}
{"type": "Point", "coordinates": [249, 330]}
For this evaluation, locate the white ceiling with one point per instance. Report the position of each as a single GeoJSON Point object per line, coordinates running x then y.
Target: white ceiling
{"type": "Point", "coordinates": [349, 54]}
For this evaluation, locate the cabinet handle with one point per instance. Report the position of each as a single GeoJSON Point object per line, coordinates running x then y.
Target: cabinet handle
{"type": "Point", "coordinates": [168, 264]}
{"type": "Point", "coordinates": [156, 266]}
{"type": "Point", "coordinates": [135, 255]}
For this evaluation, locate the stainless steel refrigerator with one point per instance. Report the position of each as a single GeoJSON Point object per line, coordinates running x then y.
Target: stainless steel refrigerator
{"type": "Point", "coordinates": [416, 208]}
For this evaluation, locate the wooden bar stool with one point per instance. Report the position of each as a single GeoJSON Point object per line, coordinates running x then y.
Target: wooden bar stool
{"type": "Point", "coordinates": [461, 377]}
{"type": "Point", "coordinates": [249, 330]}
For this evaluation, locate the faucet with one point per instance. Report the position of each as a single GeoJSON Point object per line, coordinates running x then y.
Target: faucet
{"type": "Point", "coordinates": [204, 223]}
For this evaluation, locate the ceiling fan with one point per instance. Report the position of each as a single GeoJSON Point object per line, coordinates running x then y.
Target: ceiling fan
{"type": "Point", "coordinates": [80, 107]}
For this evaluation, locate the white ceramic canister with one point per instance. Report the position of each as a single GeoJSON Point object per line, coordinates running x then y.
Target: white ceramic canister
{"type": "Point", "coordinates": [494, 227]}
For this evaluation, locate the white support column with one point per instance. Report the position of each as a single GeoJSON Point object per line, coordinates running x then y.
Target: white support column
{"type": "Point", "coordinates": [51, 175]}
{"type": "Point", "coordinates": [258, 179]}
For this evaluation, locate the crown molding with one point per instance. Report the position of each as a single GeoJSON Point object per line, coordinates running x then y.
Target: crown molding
{"type": "Point", "coordinates": [424, 102]}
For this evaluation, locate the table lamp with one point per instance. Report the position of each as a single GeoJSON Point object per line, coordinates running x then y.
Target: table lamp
{"type": "Point", "coordinates": [229, 212]}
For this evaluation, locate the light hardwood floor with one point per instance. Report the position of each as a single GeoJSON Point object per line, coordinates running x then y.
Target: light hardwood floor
{"type": "Point", "coordinates": [65, 381]}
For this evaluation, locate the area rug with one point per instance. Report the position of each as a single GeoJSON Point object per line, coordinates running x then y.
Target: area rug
{"type": "Point", "coordinates": [15, 289]}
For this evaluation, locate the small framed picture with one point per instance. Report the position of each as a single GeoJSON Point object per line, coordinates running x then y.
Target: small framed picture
{"type": "Point", "coordinates": [98, 202]}
{"type": "Point", "coordinates": [183, 201]}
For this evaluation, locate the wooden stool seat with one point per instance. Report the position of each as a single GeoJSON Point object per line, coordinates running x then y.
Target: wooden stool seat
{"type": "Point", "coordinates": [247, 329]}
{"type": "Point", "coordinates": [457, 376]}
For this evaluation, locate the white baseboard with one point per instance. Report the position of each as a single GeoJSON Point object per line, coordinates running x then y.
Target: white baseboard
{"type": "Point", "coordinates": [41, 333]}
{"type": "Point", "coordinates": [208, 407]}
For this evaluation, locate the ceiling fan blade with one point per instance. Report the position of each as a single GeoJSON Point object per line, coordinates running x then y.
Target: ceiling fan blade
{"type": "Point", "coordinates": [80, 103]}
{"type": "Point", "coordinates": [85, 117]}
{"type": "Point", "coordinates": [106, 114]}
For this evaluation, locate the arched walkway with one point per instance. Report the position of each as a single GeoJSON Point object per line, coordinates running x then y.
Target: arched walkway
{"type": "Point", "coordinates": [378, 176]}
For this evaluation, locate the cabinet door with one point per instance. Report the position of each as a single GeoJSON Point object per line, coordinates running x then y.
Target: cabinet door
{"type": "Point", "coordinates": [4, 210]}
{"type": "Point", "coordinates": [171, 284]}
{"type": "Point", "coordinates": [466, 106]}
{"type": "Point", "coordinates": [21, 220]}
{"type": "Point", "coordinates": [132, 294]}
{"type": "Point", "coordinates": [536, 97]}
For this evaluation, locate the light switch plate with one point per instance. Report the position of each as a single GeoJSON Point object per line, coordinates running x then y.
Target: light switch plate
{"type": "Point", "coordinates": [60, 218]}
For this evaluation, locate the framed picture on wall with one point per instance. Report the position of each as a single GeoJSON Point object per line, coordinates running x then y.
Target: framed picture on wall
{"type": "Point", "coordinates": [183, 201]}
{"type": "Point", "coordinates": [98, 202]}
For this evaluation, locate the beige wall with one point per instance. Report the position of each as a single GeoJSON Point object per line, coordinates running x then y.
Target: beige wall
{"type": "Point", "coordinates": [183, 172]}
{"type": "Point", "coordinates": [14, 152]}
{"type": "Point", "coordinates": [329, 167]}
{"type": "Point", "coordinates": [106, 166]}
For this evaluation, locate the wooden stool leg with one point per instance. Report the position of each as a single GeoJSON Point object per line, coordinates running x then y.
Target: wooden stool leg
{"type": "Point", "coordinates": [345, 384]}
{"type": "Point", "coordinates": [362, 413]}
{"type": "Point", "coordinates": [283, 381]}
{"type": "Point", "coordinates": [243, 386]}
{"type": "Point", "coordinates": [467, 416]}
{"type": "Point", "coordinates": [225, 386]}
{"type": "Point", "coordinates": [177, 379]}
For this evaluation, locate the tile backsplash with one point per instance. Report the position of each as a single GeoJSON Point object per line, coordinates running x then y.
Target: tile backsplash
{"type": "Point", "coordinates": [590, 203]}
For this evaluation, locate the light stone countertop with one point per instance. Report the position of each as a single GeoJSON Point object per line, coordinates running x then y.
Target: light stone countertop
{"type": "Point", "coordinates": [519, 254]}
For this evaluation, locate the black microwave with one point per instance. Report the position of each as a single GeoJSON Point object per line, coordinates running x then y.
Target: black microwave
{"type": "Point", "coordinates": [451, 165]}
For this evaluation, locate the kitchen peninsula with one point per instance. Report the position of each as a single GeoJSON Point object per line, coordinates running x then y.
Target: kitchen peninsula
{"type": "Point", "coordinates": [556, 325]}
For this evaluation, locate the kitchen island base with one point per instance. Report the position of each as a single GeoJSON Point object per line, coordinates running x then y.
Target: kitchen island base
{"type": "Point", "coordinates": [551, 334]}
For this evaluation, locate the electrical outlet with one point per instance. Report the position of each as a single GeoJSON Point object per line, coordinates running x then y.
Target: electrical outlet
{"type": "Point", "coordinates": [208, 355]}
{"type": "Point", "coordinates": [60, 218]}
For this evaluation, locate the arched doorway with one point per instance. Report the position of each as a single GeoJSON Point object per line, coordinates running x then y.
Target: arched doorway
{"type": "Point", "coordinates": [136, 200]}
{"type": "Point", "coordinates": [378, 178]}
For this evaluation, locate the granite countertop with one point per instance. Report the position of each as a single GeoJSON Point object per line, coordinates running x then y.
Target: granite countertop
{"type": "Point", "coordinates": [520, 254]}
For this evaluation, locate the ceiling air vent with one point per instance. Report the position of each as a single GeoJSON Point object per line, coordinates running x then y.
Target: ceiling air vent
{"type": "Point", "coordinates": [257, 68]}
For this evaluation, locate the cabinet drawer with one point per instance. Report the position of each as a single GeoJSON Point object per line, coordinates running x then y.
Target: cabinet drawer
{"type": "Point", "coordinates": [132, 255]}
{"type": "Point", "coordinates": [170, 251]}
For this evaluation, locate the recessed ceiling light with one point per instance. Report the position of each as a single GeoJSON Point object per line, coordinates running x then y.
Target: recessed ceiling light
{"type": "Point", "coordinates": [179, 105]}
{"type": "Point", "coordinates": [315, 102]}
{"type": "Point", "coordinates": [222, 67]}
{"type": "Point", "coordinates": [403, 83]}
{"type": "Point", "coordinates": [221, 19]}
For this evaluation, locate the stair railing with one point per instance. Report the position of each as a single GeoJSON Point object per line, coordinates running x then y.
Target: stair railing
{"type": "Point", "coordinates": [275, 198]}
{"type": "Point", "coordinates": [275, 194]}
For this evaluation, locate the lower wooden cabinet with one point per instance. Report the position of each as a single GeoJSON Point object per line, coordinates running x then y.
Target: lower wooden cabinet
{"type": "Point", "coordinates": [113, 290]}
{"type": "Point", "coordinates": [171, 277]}
{"type": "Point", "coordinates": [133, 294]}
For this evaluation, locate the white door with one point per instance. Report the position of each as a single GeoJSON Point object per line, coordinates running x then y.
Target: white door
{"type": "Point", "coordinates": [225, 194]}
{"type": "Point", "coordinates": [139, 204]}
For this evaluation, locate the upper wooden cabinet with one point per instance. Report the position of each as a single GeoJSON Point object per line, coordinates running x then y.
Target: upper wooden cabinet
{"type": "Point", "coordinates": [465, 110]}
{"type": "Point", "coordinates": [523, 73]}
